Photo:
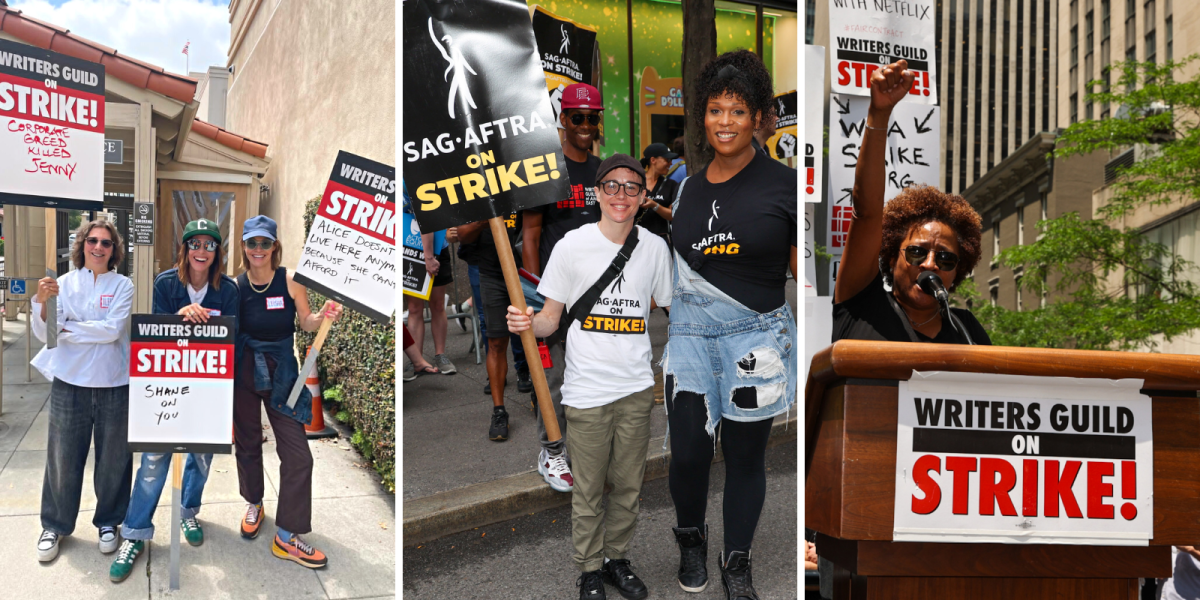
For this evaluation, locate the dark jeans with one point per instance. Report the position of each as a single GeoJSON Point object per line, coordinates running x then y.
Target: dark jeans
{"type": "Point", "coordinates": [745, 447]}
{"type": "Point", "coordinates": [75, 413]}
{"type": "Point", "coordinates": [291, 444]}
{"type": "Point", "coordinates": [518, 350]}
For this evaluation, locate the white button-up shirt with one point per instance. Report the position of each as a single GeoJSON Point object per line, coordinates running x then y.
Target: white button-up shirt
{"type": "Point", "coordinates": [93, 339]}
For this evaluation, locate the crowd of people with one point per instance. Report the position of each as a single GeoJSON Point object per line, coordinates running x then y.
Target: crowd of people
{"type": "Point", "coordinates": [713, 246]}
{"type": "Point", "coordinates": [89, 395]}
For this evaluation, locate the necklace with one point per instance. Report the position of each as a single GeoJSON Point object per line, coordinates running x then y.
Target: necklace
{"type": "Point", "coordinates": [922, 324]}
{"type": "Point", "coordinates": [255, 287]}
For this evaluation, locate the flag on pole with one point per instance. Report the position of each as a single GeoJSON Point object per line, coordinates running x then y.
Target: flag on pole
{"type": "Point", "coordinates": [185, 47]}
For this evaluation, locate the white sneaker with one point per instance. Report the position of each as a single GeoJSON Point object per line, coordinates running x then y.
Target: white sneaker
{"type": "Point", "coordinates": [47, 546]}
{"type": "Point", "coordinates": [108, 540]}
{"type": "Point", "coordinates": [555, 471]}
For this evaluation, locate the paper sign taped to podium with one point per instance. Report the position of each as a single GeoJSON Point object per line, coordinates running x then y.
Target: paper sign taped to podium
{"type": "Point", "coordinates": [1011, 459]}
{"type": "Point", "coordinates": [181, 384]}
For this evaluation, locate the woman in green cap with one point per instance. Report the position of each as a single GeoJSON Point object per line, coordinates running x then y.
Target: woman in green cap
{"type": "Point", "coordinates": [197, 290]}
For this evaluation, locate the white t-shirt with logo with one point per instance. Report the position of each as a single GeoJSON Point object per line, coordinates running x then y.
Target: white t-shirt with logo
{"type": "Point", "coordinates": [608, 357]}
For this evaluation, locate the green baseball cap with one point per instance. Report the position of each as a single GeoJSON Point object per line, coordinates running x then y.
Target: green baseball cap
{"type": "Point", "coordinates": [202, 227]}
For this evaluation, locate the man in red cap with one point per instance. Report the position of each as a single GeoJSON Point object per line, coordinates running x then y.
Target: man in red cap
{"type": "Point", "coordinates": [544, 227]}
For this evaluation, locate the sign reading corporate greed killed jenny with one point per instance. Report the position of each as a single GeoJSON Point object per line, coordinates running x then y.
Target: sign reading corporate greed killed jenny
{"type": "Point", "coordinates": [350, 253]}
{"type": "Point", "coordinates": [180, 384]}
{"type": "Point", "coordinates": [479, 139]}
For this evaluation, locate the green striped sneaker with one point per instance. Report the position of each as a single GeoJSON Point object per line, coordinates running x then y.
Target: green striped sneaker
{"type": "Point", "coordinates": [191, 531]}
{"type": "Point", "coordinates": [126, 556]}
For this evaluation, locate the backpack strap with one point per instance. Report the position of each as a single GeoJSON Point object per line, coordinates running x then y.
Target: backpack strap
{"type": "Point", "coordinates": [580, 310]}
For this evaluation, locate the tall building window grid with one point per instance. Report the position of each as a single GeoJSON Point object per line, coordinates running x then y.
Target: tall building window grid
{"type": "Point", "coordinates": [1005, 72]}
{"type": "Point", "coordinates": [992, 100]}
{"type": "Point", "coordinates": [1045, 66]}
{"type": "Point", "coordinates": [1020, 78]}
{"type": "Point", "coordinates": [978, 91]}
{"type": "Point", "coordinates": [1105, 51]}
{"type": "Point", "coordinates": [1169, 40]}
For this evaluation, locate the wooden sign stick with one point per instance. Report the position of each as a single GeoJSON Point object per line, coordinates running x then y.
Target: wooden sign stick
{"type": "Point", "coordinates": [311, 361]}
{"type": "Point", "coordinates": [528, 341]}
{"type": "Point", "coordinates": [176, 503]}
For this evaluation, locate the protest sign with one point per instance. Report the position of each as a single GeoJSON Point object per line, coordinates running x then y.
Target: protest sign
{"type": "Point", "coordinates": [181, 384]}
{"type": "Point", "coordinates": [480, 139]}
{"type": "Point", "coordinates": [814, 134]}
{"type": "Point", "coordinates": [350, 253]}
{"type": "Point", "coordinates": [810, 251]}
{"type": "Point", "coordinates": [569, 53]}
{"type": "Point", "coordinates": [865, 35]}
{"type": "Point", "coordinates": [783, 144]}
{"type": "Point", "coordinates": [912, 158]}
{"type": "Point", "coordinates": [414, 279]}
{"type": "Point", "coordinates": [1015, 459]}
{"type": "Point", "coordinates": [51, 129]}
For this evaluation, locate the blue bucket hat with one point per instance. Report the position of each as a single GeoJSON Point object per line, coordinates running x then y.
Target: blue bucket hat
{"type": "Point", "coordinates": [260, 226]}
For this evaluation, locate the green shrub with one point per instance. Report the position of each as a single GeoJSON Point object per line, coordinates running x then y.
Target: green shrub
{"type": "Point", "coordinates": [358, 365]}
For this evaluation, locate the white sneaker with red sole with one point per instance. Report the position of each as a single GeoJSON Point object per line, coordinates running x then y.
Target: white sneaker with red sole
{"type": "Point", "coordinates": [555, 471]}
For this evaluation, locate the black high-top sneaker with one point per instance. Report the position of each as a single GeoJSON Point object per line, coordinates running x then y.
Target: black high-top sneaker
{"type": "Point", "coordinates": [618, 574]}
{"type": "Point", "coordinates": [693, 557]}
{"type": "Point", "coordinates": [735, 574]}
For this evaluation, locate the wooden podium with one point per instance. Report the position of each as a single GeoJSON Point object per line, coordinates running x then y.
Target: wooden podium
{"type": "Point", "coordinates": [850, 477]}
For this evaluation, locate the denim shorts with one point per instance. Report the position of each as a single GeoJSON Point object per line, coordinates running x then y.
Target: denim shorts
{"type": "Point", "coordinates": [742, 362]}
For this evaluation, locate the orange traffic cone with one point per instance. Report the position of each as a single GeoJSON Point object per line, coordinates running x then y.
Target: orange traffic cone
{"type": "Point", "coordinates": [317, 428]}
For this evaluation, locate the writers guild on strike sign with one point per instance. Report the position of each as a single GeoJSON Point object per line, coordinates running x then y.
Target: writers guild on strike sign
{"type": "Point", "coordinates": [990, 458]}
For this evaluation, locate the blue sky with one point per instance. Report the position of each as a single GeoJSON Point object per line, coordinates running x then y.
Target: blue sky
{"type": "Point", "coordinates": [153, 31]}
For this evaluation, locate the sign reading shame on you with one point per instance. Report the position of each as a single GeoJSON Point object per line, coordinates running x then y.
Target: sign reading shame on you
{"type": "Point", "coordinates": [51, 129]}
{"type": "Point", "coordinates": [1014, 459]}
{"type": "Point", "coordinates": [180, 384]}
{"type": "Point", "coordinates": [350, 253]}
{"type": "Point", "coordinates": [480, 139]}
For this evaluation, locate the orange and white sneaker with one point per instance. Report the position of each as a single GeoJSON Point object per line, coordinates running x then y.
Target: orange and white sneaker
{"type": "Point", "coordinates": [252, 521]}
{"type": "Point", "coordinates": [298, 551]}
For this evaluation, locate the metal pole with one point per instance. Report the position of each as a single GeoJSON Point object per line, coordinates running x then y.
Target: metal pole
{"type": "Point", "coordinates": [5, 304]}
{"type": "Point", "coordinates": [28, 342]}
{"type": "Point", "coordinates": [176, 501]}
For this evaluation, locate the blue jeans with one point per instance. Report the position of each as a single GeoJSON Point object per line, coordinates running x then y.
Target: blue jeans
{"type": "Point", "coordinates": [148, 487]}
{"type": "Point", "coordinates": [743, 363]}
{"type": "Point", "coordinates": [76, 413]}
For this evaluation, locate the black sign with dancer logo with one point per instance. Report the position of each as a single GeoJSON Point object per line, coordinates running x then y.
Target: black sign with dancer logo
{"type": "Point", "coordinates": [569, 54]}
{"type": "Point", "coordinates": [479, 138]}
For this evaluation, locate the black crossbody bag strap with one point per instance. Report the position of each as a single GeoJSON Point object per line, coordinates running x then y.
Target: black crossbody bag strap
{"type": "Point", "coordinates": [580, 310]}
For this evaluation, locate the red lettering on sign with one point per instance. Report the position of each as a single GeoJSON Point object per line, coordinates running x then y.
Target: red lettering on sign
{"type": "Point", "coordinates": [992, 491]}
{"type": "Point", "coordinates": [1059, 487]}
{"type": "Point", "coordinates": [1029, 487]}
{"type": "Point", "coordinates": [929, 487]}
{"type": "Point", "coordinates": [1097, 490]}
{"type": "Point", "coordinates": [961, 466]}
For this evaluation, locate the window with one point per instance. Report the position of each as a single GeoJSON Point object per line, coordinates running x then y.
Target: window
{"type": "Point", "coordinates": [1017, 282]}
{"type": "Point", "coordinates": [1074, 108]}
{"type": "Point", "coordinates": [1089, 35]}
{"type": "Point", "coordinates": [994, 294]}
{"type": "Point", "coordinates": [1181, 236]}
{"type": "Point", "coordinates": [1020, 225]}
{"type": "Point", "coordinates": [1170, 41]}
{"type": "Point", "coordinates": [995, 239]}
{"type": "Point", "coordinates": [1074, 45]}
{"type": "Point", "coordinates": [1150, 47]}
{"type": "Point", "coordinates": [1105, 20]}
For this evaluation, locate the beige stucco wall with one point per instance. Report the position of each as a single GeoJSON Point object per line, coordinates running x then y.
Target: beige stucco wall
{"type": "Point", "coordinates": [310, 79]}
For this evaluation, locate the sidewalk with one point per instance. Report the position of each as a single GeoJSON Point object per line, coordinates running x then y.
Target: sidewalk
{"type": "Point", "coordinates": [455, 478]}
{"type": "Point", "coordinates": [353, 520]}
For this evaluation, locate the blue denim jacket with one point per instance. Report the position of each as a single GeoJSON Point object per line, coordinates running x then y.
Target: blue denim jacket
{"type": "Point", "coordinates": [171, 294]}
{"type": "Point", "coordinates": [286, 373]}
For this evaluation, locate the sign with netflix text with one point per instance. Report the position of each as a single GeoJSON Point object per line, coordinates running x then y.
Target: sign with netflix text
{"type": "Point", "coordinates": [1014, 459]}
{"type": "Point", "coordinates": [866, 35]}
{"type": "Point", "coordinates": [51, 129]}
{"type": "Point", "coordinates": [350, 252]}
{"type": "Point", "coordinates": [181, 384]}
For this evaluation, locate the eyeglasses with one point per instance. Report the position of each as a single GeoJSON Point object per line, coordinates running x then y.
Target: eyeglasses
{"type": "Point", "coordinates": [577, 119]}
{"type": "Point", "coordinates": [611, 186]}
{"type": "Point", "coordinates": [210, 245]}
{"type": "Point", "coordinates": [943, 259]}
{"type": "Point", "coordinates": [259, 244]}
{"type": "Point", "coordinates": [92, 241]}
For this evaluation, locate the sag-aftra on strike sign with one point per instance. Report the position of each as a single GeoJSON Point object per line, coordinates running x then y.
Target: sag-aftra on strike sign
{"type": "Point", "coordinates": [1011, 459]}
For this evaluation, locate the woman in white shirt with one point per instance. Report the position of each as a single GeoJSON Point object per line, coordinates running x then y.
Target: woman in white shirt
{"type": "Point", "coordinates": [89, 369]}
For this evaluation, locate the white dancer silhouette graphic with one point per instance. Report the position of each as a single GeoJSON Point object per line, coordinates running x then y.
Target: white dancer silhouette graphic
{"type": "Point", "coordinates": [566, 41]}
{"type": "Point", "coordinates": [457, 63]}
{"type": "Point", "coordinates": [710, 219]}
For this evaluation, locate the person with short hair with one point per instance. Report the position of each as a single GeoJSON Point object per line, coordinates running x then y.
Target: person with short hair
{"type": "Point", "coordinates": [655, 212]}
{"type": "Point", "coordinates": [89, 391]}
{"type": "Point", "coordinates": [270, 304]}
{"type": "Point", "coordinates": [196, 289]}
{"type": "Point", "coordinates": [608, 389]}
{"type": "Point", "coordinates": [731, 358]}
{"type": "Point", "coordinates": [678, 170]}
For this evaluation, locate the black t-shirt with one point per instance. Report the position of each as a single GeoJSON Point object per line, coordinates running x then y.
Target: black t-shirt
{"type": "Point", "coordinates": [580, 208]}
{"type": "Point", "coordinates": [488, 261]}
{"type": "Point", "coordinates": [740, 231]}
{"type": "Point", "coordinates": [870, 316]}
{"type": "Point", "coordinates": [664, 194]}
{"type": "Point", "coordinates": [269, 315]}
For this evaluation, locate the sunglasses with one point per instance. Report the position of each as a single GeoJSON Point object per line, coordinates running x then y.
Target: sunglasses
{"type": "Point", "coordinates": [210, 245]}
{"type": "Point", "coordinates": [259, 244]}
{"type": "Point", "coordinates": [577, 119]}
{"type": "Point", "coordinates": [92, 241]}
{"type": "Point", "coordinates": [943, 259]}
{"type": "Point", "coordinates": [610, 187]}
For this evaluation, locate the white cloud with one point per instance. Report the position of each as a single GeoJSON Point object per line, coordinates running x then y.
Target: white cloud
{"type": "Point", "coordinates": [152, 31]}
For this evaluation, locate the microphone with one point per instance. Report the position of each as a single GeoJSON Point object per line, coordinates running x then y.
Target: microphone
{"type": "Point", "coordinates": [932, 284]}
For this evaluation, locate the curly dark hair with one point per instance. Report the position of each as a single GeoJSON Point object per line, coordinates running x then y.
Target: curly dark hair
{"type": "Point", "coordinates": [918, 205]}
{"type": "Point", "coordinates": [748, 80]}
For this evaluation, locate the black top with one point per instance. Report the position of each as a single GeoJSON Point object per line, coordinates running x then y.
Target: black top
{"type": "Point", "coordinates": [870, 316]}
{"type": "Point", "coordinates": [488, 261]}
{"type": "Point", "coordinates": [269, 316]}
{"type": "Point", "coordinates": [580, 208]}
{"type": "Point", "coordinates": [740, 231]}
{"type": "Point", "coordinates": [664, 194]}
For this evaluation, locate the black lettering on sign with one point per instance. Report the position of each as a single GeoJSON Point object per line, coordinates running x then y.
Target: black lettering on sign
{"type": "Point", "coordinates": [1010, 443]}
{"type": "Point", "coordinates": [615, 324]}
